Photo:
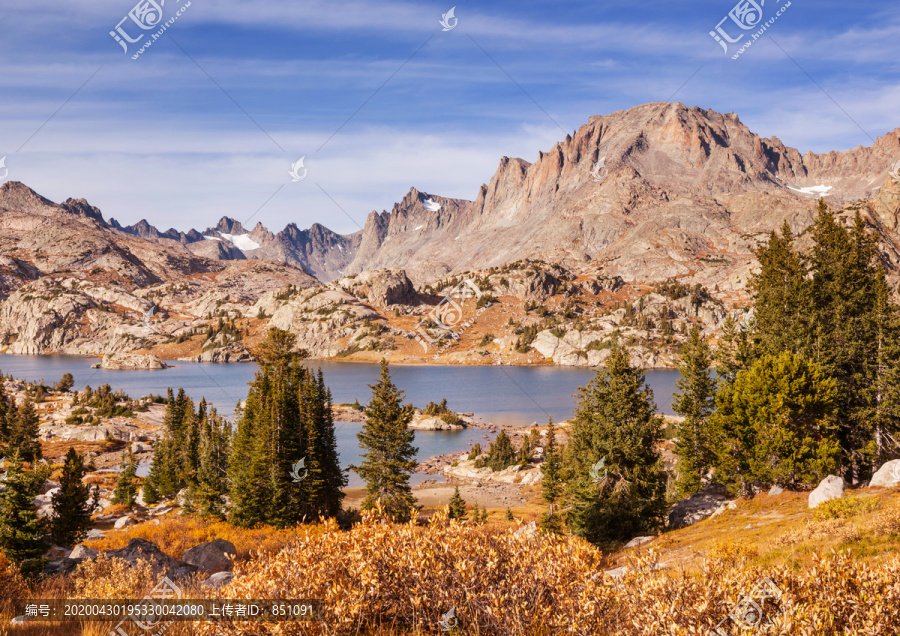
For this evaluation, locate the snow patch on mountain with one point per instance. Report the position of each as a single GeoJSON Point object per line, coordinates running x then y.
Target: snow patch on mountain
{"type": "Point", "coordinates": [819, 189]}
{"type": "Point", "coordinates": [242, 241]}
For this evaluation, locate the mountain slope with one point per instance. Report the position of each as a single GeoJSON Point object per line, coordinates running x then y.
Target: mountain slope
{"type": "Point", "coordinates": [676, 191]}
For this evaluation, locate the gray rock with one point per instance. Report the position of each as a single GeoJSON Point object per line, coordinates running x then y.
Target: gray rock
{"type": "Point", "coordinates": [638, 541]}
{"type": "Point", "coordinates": [140, 447]}
{"type": "Point", "coordinates": [211, 556]}
{"type": "Point", "coordinates": [81, 551]}
{"type": "Point", "coordinates": [527, 531]}
{"type": "Point", "coordinates": [93, 533]}
{"type": "Point", "coordinates": [697, 507]}
{"type": "Point", "coordinates": [49, 485]}
{"type": "Point", "coordinates": [219, 579]}
{"type": "Point", "coordinates": [60, 566]}
{"type": "Point", "coordinates": [888, 475]}
{"type": "Point", "coordinates": [775, 491]}
{"type": "Point", "coordinates": [160, 562]}
{"type": "Point", "coordinates": [832, 487]}
{"type": "Point", "coordinates": [130, 361]}
{"type": "Point", "coordinates": [123, 522]}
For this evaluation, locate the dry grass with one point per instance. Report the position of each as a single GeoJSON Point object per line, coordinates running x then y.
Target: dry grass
{"type": "Point", "coordinates": [174, 535]}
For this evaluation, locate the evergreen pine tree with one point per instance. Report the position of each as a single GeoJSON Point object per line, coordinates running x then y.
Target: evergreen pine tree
{"type": "Point", "coordinates": [551, 483]}
{"type": "Point", "coordinates": [781, 295]}
{"type": "Point", "coordinates": [286, 419]}
{"type": "Point", "coordinates": [457, 506]}
{"type": "Point", "coordinates": [883, 412]}
{"type": "Point", "coordinates": [509, 515]}
{"type": "Point", "coordinates": [126, 489]}
{"type": "Point", "coordinates": [476, 513]}
{"type": "Point", "coordinates": [23, 535]}
{"type": "Point", "coordinates": [210, 486]}
{"type": "Point", "coordinates": [72, 504]}
{"type": "Point", "coordinates": [23, 432]}
{"type": "Point", "coordinates": [4, 413]}
{"type": "Point", "coordinates": [777, 427]}
{"type": "Point", "coordinates": [388, 453]}
{"type": "Point", "coordinates": [615, 422]}
{"type": "Point", "coordinates": [695, 401]}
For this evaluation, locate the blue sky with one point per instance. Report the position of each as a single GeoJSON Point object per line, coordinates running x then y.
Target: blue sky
{"type": "Point", "coordinates": [208, 120]}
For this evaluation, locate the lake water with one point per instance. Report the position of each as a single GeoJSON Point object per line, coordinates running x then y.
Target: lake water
{"type": "Point", "coordinates": [516, 396]}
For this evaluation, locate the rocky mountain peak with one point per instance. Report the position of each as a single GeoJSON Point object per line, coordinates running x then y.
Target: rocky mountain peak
{"type": "Point", "coordinates": [80, 207]}
{"type": "Point", "coordinates": [227, 225]}
{"type": "Point", "coordinates": [15, 195]}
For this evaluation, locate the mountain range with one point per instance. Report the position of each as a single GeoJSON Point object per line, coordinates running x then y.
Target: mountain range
{"type": "Point", "coordinates": [658, 191]}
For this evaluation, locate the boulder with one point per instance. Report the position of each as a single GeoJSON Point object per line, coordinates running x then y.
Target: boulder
{"type": "Point", "coordinates": [130, 361]}
{"type": "Point", "coordinates": [160, 562]}
{"type": "Point", "coordinates": [888, 475]}
{"type": "Point", "coordinates": [832, 487]}
{"type": "Point", "coordinates": [218, 580]}
{"type": "Point", "coordinates": [123, 522]}
{"type": "Point", "coordinates": [527, 532]}
{"type": "Point", "coordinates": [775, 491]}
{"type": "Point", "coordinates": [140, 447]}
{"type": "Point", "coordinates": [212, 556]}
{"type": "Point", "coordinates": [697, 507]}
{"type": "Point", "coordinates": [81, 551]}
{"type": "Point", "coordinates": [60, 566]}
{"type": "Point", "coordinates": [382, 287]}
{"type": "Point", "coordinates": [232, 352]}
{"type": "Point", "coordinates": [638, 541]}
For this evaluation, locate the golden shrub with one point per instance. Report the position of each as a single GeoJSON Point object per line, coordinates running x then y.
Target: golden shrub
{"type": "Point", "coordinates": [403, 578]}
{"type": "Point", "coordinates": [844, 507]}
{"type": "Point", "coordinates": [112, 578]}
{"type": "Point", "coordinates": [730, 553]}
{"type": "Point", "coordinates": [174, 535]}
{"type": "Point", "coordinates": [12, 584]}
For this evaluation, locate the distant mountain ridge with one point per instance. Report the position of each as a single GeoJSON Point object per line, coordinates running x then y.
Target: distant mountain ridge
{"type": "Point", "coordinates": [656, 191]}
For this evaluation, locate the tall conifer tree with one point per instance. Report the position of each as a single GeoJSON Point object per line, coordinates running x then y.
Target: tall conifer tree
{"type": "Point", "coordinates": [695, 401]}
{"type": "Point", "coordinates": [388, 454]}
{"type": "Point", "coordinates": [23, 535]}
{"type": "Point", "coordinates": [615, 422]}
{"type": "Point", "coordinates": [73, 504]}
